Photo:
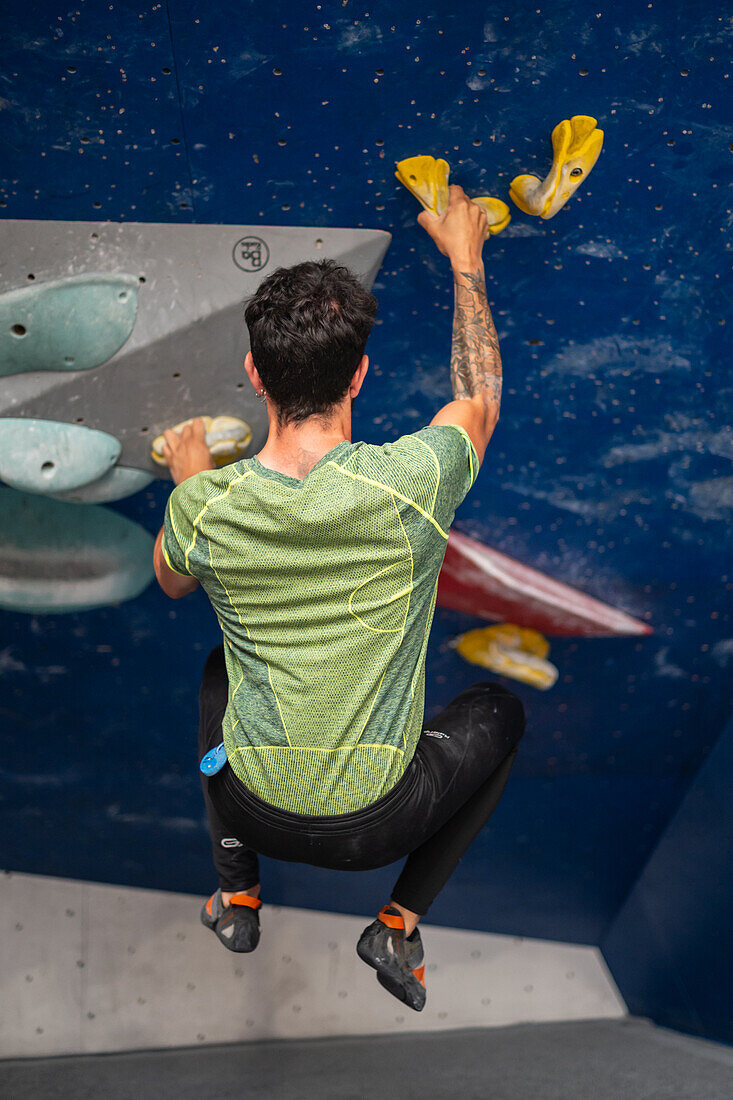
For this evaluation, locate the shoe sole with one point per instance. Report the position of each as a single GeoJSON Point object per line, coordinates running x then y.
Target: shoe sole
{"type": "Point", "coordinates": [392, 978]}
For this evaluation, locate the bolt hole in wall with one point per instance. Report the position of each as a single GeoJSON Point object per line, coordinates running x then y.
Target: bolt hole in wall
{"type": "Point", "coordinates": [19, 330]}
{"type": "Point", "coordinates": [47, 468]}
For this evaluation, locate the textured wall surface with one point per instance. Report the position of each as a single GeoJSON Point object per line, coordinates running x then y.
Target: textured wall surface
{"type": "Point", "coordinates": [611, 465]}
{"type": "Point", "coordinates": [97, 968]}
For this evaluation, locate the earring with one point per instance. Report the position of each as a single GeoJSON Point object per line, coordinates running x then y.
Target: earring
{"type": "Point", "coordinates": [261, 395]}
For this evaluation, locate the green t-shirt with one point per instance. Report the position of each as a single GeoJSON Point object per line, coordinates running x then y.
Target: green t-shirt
{"type": "Point", "coordinates": [325, 592]}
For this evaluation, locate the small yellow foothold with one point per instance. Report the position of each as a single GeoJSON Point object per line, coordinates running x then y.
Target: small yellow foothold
{"type": "Point", "coordinates": [510, 650]}
{"type": "Point", "coordinates": [576, 146]}
{"type": "Point", "coordinates": [227, 438]}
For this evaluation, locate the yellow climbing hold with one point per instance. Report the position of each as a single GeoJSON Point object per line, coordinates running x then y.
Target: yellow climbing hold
{"type": "Point", "coordinates": [227, 438]}
{"type": "Point", "coordinates": [576, 146]}
{"type": "Point", "coordinates": [498, 213]}
{"type": "Point", "coordinates": [427, 179]}
{"type": "Point", "coordinates": [510, 650]}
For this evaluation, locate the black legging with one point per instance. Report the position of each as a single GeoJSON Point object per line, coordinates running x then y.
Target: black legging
{"type": "Point", "coordinates": [449, 790]}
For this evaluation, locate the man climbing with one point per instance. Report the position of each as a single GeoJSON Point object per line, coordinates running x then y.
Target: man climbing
{"type": "Point", "coordinates": [321, 558]}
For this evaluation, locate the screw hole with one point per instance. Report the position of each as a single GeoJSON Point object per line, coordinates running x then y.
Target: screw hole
{"type": "Point", "coordinates": [143, 430]}
{"type": "Point", "coordinates": [277, 72]}
{"type": "Point", "coordinates": [575, 172]}
{"type": "Point", "coordinates": [141, 279]}
{"type": "Point", "coordinates": [31, 277]}
{"type": "Point", "coordinates": [47, 469]}
{"type": "Point", "coordinates": [583, 72]}
{"type": "Point", "coordinates": [19, 330]}
{"type": "Point", "coordinates": [177, 374]}
{"type": "Point", "coordinates": [123, 295]}
{"type": "Point", "coordinates": [95, 236]}
{"type": "Point", "coordinates": [684, 72]}
{"type": "Point", "coordinates": [166, 71]}
{"type": "Point", "coordinates": [97, 205]}
{"type": "Point", "coordinates": [71, 68]}
{"type": "Point", "coordinates": [175, 141]}
{"type": "Point", "coordinates": [69, 359]}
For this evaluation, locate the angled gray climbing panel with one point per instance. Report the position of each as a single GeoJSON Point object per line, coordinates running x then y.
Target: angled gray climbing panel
{"type": "Point", "coordinates": [185, 354]}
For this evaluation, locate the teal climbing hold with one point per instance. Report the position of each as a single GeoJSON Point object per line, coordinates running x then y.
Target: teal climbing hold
{"type": "Point", "coordinates": [49, 456]}
{"type": "Point", "coordinates": [66, 324]}
{"type": "Point", "coordinates": [119, 482]}
{"type": "Point", "coordinates": [57, 557]}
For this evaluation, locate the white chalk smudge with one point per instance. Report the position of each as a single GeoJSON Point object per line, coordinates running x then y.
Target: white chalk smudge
{"type": "Point", "coordinates": [722, 652]}
{"type": "Point", "coordinates": [664, 667]}
{"type": "Point", "coordinates": [8, 663]}
{"type": "Point", "coordinates": [610, 355]}
{"type": "Point", "coordinates": [601, 250]}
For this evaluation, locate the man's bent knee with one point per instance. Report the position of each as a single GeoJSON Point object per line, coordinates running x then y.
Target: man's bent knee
{"type": "Point", "coordinates": [506, 703]}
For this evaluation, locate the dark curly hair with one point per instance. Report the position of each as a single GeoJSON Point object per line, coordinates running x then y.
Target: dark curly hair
{"type": "Point", "coordinates": [308, 328]}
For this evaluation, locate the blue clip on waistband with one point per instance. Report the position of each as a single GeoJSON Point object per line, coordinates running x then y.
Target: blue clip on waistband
{"type": "Point", "coordinates": [214, 760]}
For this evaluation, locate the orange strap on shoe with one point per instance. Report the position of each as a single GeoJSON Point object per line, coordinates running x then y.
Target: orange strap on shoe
{"type": "Point", "coordinates": [245, 899]}
{"type": "Point", "coordinates": [420, 974]}
{"type": "Point", "coordinates": [390, 919]}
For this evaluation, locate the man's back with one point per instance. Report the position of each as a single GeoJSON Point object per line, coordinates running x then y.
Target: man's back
{"type": "Point", "coordinates": [325, 592]}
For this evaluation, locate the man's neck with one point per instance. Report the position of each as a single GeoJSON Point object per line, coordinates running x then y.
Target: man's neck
{"type": "Point", "coordinates": [294, 449]}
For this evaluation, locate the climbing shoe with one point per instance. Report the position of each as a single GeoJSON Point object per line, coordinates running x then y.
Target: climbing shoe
{"type": "Point", "coordinates": [397, 959]}
{"type": "Point", "coordinates": [238, 924]}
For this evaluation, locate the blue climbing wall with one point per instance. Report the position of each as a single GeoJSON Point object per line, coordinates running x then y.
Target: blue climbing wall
{"type": "Point", "coordinates": [670, 946]}
{"type": "Point", "coordinates": [610, 468]}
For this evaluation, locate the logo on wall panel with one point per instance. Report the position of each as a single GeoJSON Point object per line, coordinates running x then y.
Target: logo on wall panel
{"type": "Point", "coordinates": [251, 254]}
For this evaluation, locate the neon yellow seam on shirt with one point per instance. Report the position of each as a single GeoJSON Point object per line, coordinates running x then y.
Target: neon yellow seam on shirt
{"type": "Point", "coordinates": [176, 536]}
{"type": "Point", "coordinates": [236, 481]}
{"type": "Point", "coordinates": [168, 560]}
{"type": "Point", "coordinates": [234, 693]}
{"type": "Point", "coordinates": [313, 748]}
{"type": "Point", "coordinates": [471, 447]}
{"type": "Point", "coordinates": [437, 463]}
{"type": "Point", "coordinates": [425, 637]}
{"type": "Point", "coordinates": [412, 585]}
{"type": "Point", "coordinates": [397, 596]}
{"type": "Point", "coordinates": [412, 568]}
{"type": "Point", "coordinates": [389, 489]}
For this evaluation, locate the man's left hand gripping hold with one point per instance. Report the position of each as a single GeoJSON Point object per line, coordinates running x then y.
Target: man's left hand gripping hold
{"type": "Point", "coordinates": [187, 454]}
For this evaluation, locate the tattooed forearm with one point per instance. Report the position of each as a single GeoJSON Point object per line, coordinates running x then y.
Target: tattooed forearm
{"type": "Point", "coordinates": [475, 364]}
